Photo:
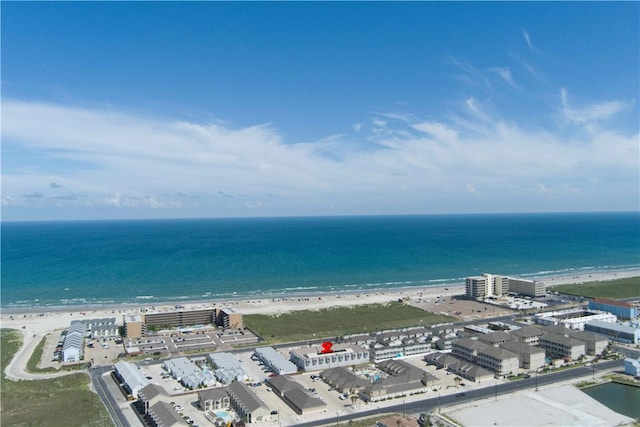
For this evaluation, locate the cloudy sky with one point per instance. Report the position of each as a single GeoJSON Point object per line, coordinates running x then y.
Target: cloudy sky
{"type": "Point", "coordinates": [206, 109]}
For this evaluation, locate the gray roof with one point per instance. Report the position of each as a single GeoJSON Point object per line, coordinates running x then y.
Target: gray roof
{"type": "Point", "coordinates": [282, 383]}
{"type": "Point", "coordinates": [521, 348]}
{"type": "Point", "coordinates": [561, 339]}
{"type": "Point", "coordinates": [498, 353]}
{"type": "Point", "coordinates": [245, 397]}
{"type": "Point", "coordinates": [276, 360]}
{"type": "Point", "coordinates": [495, 337]}
{"type": "Point", "coordinates": [611, 326]}
{"type": "Point", "coordinates": [469, 343]}
{"type": "Point", "coordinates": [401, 368]}
{"type": "Point", "coordinates": [300, 399]}
{"type": "Point", "coordinates": [150, 391]}
{"type": "Point", "coordinates": [225, 361]}
{"type": "Point", "coordinates": [527, 332]}
{"type": "Point", "coordinates": [165, 415]}
{"type": "Point", "coordinates": [212, 394]}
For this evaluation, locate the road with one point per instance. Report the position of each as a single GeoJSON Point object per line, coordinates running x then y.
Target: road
{"type": "Point", "coordinates": [430, 404]}
{"type": "Point", "coordinates": [106, 394]}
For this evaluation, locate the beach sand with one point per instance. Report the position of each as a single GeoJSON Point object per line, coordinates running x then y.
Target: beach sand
{"type": "Point", "coordinates": [40, 321]}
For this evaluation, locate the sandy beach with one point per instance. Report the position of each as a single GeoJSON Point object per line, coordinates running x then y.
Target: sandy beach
{"type": "Point", "coordinates": [40, 321]}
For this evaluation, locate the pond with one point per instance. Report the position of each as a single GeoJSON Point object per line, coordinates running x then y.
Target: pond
{"type": "Point", "coordinates": [624, 399]}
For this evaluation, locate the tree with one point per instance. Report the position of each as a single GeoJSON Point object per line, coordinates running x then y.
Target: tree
{"type": "Point", "coordinates": [457, 380]}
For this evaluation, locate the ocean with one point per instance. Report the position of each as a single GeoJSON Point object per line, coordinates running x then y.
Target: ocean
{"type": "Point", "coordinates": [47, 264]}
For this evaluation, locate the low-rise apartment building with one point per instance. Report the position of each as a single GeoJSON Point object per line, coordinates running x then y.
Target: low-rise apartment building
{"type": "Point", "coordinates": [498, 360]}
{"type": "Point", "coordinates": [560, 346]}
{"type": "Point", "coordinates": [313, 359]}
{"type": "Point", "coordinates": [530, 357]}
{"type": "Point", "coordinates": [467, 348]}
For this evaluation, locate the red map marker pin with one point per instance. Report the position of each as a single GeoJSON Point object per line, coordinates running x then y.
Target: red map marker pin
{"type": "Point", "coordinates": [326, 347]}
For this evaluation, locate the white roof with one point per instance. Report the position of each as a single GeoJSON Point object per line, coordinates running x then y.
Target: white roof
{"type": "Point", "coordinates": [131, 375]}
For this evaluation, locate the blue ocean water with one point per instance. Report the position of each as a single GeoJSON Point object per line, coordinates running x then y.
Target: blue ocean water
{"type": "Point", "coordinates": [119, 262]}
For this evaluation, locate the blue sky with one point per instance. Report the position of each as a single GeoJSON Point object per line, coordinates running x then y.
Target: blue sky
{"type": "Point", "coordinates": [207, 109]}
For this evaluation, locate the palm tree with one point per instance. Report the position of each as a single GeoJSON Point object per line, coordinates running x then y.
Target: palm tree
{"type": "Point", "coordinates": [457, 380]}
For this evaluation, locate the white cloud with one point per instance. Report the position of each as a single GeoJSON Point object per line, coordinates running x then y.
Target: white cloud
{"type": "Point", "coordinates": [591, 115]}
{"type": "Point", "coordinates": [399, 164]}
{"type": "Point", "coordinates": [525, 34]}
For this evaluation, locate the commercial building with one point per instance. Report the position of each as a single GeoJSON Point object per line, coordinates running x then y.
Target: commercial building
{"type": "Point", "coordinates": [246, 404]}
{"type": "Point", "coordinates": [622, 309]}
{"type": "Point", "coordinates": [275, 361]}
{"type": "Point", "coordinates": [615, 331]}
{"type": "Point", "coordinates": [574, 318]}
{"type": "Point", "coordinates": [313, 359]}
{"type": "Point", "coordinates": [632, 367]}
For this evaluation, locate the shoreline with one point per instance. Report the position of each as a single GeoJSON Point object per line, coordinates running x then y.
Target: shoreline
{"type": "Point", "coordinates": [570, 277]}
{"type": "Point", "coordinates": [42, 320]}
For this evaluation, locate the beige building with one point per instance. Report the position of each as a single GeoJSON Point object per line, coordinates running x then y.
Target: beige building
{"type": "Point", "coordinates": [498, 360]}
{"type": "Point", "coordinates": [247, 404]}
{"type": "Point", "coordinates": [487, 285]}
{"type": "Point", "coordinates": [529, 335]}
{"type": "Point", "coordinates": [228, 317]}
{"type": "Point", "coordinates": [467, 348]}
{"type": "Point", "coordinates": [133, 326]}
{"type": "Point", "coordinates": [530, 357]}
{"type": "Point", "coordinates": [213, 399]}
{"type": "Point", "coordinates": [560, 346]}
{"type": "Point", "coordinates": [531, 288]}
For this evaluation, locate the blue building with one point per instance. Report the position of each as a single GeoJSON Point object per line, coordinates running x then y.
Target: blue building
{"type": "Point", "coordinates": [632, 367]}
{"type": "Point", "coordinates": [622, 309]}
{"type": "Point", "coordinates": [614, 331]}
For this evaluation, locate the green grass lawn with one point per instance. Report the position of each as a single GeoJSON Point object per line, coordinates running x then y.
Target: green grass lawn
{"type": "Point", "coordinates": [64, 401]}
{"type": "Point", "coordinates": [612, 289]}
{"type": "Point", "coordinates": [338, 321]}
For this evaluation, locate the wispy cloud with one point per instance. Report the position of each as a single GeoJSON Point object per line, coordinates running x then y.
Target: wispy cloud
{"type": "Point", "coordinates": [527, 38]}
{"type": "Point", "coordinates": [392, 162]}
{"type": "Point", "coordinates": [589, 116]}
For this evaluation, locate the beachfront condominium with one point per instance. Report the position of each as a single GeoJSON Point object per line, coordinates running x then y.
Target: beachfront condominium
{"type": "Point", "coordinates": [487, 285]}
{"type": "Point", "coordinates": [494, 285]}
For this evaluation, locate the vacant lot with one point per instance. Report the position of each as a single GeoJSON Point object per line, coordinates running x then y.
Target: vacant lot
{"type": "Point", "coordinates": [333, 322]}
{"type": "Point", "coordinates": [613, 289]}
{"type": "Point", "coordinates": [63, 401]}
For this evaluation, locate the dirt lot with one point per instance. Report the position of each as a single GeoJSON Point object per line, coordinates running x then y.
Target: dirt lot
{"type": "Point", "coordinates": [460, 307]}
